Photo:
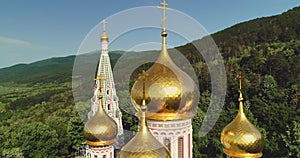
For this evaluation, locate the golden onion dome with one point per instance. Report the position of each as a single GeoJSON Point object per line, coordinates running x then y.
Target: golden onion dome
{"type": "Point", "coordinates": [170, 93]}
{"type": "Point", "coordinates": [241, 138]}
{"type": "Point", "coordinates": [144, 144]}
{"type": "Point", "coordinates": [101, 129]}
{"type": "Point", "coordinates": [104, 36]}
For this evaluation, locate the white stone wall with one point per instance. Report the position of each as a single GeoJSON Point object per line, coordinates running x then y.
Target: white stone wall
{"type": "Point", "coordinates": [173, 131]}
{"type": "Point", "coordinates": [100, 152]}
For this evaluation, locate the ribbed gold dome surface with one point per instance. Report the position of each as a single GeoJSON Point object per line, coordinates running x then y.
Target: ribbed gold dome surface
{"type": "Point", "coordinates": [170, 93]}
{"type": "Point", "coordinates": [101, 129]}
{"type": "Point", "coordinates": [240, 138]}
{"type": "Point", "coordinates": [144, 144]}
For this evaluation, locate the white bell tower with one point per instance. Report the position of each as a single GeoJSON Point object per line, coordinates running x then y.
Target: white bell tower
{"type": "Point", "coordinates": [110, 98]}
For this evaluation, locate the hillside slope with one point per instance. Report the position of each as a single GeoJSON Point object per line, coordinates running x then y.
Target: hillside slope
{"type": "Point", "coordinates": [49, 70]}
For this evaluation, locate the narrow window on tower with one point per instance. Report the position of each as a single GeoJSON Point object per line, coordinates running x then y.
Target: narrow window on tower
{"type": "Point", "coordinates": [107, 89]}
{"type": "Point", "coordinates": [104, 156]}
{"type": "Point", "coordinates": [180, 147]}
{"type": "Point", "coordinates": [108, 103]}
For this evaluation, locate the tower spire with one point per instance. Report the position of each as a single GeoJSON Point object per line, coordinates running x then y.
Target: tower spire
{"type": "Point", "coordinates": [106, 91]}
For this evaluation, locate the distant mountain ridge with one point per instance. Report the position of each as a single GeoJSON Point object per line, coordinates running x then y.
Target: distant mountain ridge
{"type": "Point", "coordinates": [278, 28]}
{"type": "Point", "coordinates": [58, 69]}
{"type": "Point", "coordinates": [53, 69]}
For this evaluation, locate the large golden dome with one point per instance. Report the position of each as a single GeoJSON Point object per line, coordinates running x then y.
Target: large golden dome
{"type": "Point", "coordinates": [240, 138]}
{"type": "Point", "coordinates": [170, 93]}
{"type": "Point", "coordinates": [101, 129]}
{"type": "Point", "coordinates": [144, 144]}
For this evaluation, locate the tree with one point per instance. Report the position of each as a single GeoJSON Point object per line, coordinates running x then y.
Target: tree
{"type": "Point", "coordinates": [59, 124]}
{"type": "Point", "coordinates": [270, 90]}
{"type": "Point", "coordinates": [1, 137]}
{"type": "Point", "coordinates": [75, 132]}
{"type": "Point", "coordinates": [12, 153]}
{"type": "Point", "coordinates": [292, 139]}
{"type": "Point", "coordinates": [198, 142]}
{"type": "Point", "coordinates": [34, 140]}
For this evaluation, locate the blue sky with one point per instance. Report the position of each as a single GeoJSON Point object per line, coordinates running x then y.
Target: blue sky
{"type": "Point", "coordinates": [32, 30]}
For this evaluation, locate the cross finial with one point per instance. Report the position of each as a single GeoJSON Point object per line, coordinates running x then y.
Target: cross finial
{"type": "Point", "coordinates": [143, 77]}
{"type": "Point", "coordinates": [100, 78]}
{"type": "Point", "coordinates": [240, 90]}
{"type": "Point", "coordinates": [164, 8]}
{"type": "Point", "coordinates": [241, 80]}
{"type": "Point", "coordinates": [104, 24]}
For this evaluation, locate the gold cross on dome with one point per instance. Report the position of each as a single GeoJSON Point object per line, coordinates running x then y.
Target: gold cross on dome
{"type": "Point", "coordinates": [240, 78]}
{"type": "Point", "coordinates": [104, 24]}
{"type": "Point", "coordinates": [143, 75]}
{"type": "Point", "coordinates": [164, 8]}
{"type": "Point", "coordinates": [100, 78]}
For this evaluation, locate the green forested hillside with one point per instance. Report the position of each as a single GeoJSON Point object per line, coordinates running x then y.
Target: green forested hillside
{"type": "Point", "coordinates": [39, 119]}
{"type": "Point", "coordinates": [281, 28]}
{"type": "Point", "coordinates": [49, 70]}
{"type": "Point", "coordinates": [59, 69]}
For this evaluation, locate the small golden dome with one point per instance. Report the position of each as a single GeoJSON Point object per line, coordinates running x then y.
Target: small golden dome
{"type": "Point", "coordinates": [241, 138]}
{"type": "Point", "coordinates": [170, 93]}
{"type": "Point", "coordinates": [101, 129]}
{"type": "Point", "coordinates": [104, 37]}
{"type": "Point", "coordinates": [144, 144]}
